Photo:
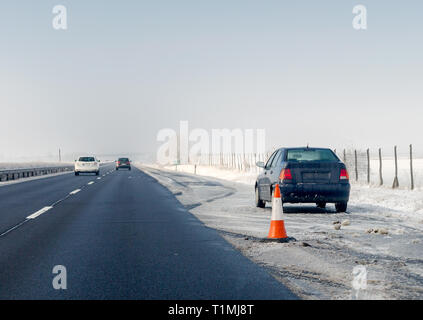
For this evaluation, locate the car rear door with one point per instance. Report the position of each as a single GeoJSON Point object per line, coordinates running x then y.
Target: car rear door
{"type": "Point", "coordinates": [263, 182]}
{"type": "Point", "coordinates": [275, 168]}
{"type": "Point", "coordinates": [268, 176]}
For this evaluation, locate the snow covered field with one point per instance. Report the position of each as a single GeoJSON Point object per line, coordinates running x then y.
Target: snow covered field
{"type": "Point", "coordinates": [26, 165]}
{"type": "Point", "coordinates": [388, 172]}
{"type": "Point", "coordinates": [319, 264]}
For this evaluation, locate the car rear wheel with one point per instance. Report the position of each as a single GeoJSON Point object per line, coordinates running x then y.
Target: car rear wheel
{"type": "Point", "coordinates": [321, 205]}
{"type": "Point", "coordinates": [341, 206]}
{"type": "Point", "coordinates": [259, 203]}
{"type": "Point", "coordinates": [97, 173]}
{"type": "Point", "coordinates": [76, 173]}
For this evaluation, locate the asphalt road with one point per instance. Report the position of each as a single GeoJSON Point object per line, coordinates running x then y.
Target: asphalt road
{"type": "Point", "coordinates": [123, 236]}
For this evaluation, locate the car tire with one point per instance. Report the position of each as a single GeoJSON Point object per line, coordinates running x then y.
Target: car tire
{"type": "Point", "coordinates": [97, 173]}
{"type": "Point", "coordinates": [129, 169]}
{"type": "Point", "coordinates": [117, 169]}
{"type": "Point", "coordinates": [321, 205]}
{"type": "Point", "coordinates": [259, 203]}
{"type": "Point", "coordinates": [76, 173]}
{"type": "Point", "coordinates": [341, 206]}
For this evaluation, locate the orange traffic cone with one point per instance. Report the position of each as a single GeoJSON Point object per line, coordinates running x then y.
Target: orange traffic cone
{"type": "Point", "coordinates": [277, 225]}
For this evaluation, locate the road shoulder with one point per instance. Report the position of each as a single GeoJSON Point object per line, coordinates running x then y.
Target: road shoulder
{"type": "Point", "coordinates": [320, 264]}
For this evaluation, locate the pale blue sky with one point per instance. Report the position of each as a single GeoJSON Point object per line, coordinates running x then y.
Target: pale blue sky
{"type": "Point", "coordinates": [130, 68]}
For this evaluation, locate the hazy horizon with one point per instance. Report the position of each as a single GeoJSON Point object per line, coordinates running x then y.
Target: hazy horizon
{"type": "Point", "coordinates": [122, 71]}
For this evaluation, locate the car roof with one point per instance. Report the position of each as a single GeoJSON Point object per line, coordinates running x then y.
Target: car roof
{"type": "Point", "coordinates": [305, 148]}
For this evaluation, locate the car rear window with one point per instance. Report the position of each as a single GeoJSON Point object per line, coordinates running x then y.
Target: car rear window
{"type": "Point", "coordinates": [86, 159]}
{"type": "Point", "coordinates": [311, 155]}
{"type": "Point", "coordinates": [123, 159]}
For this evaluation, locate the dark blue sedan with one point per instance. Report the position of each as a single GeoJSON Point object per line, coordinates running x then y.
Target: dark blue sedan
{"type": "Point", "coordinates": [304, 175]}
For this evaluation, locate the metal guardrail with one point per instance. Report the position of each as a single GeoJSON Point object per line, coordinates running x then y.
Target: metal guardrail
{"type": "Point", "coordinates": [14, 174]}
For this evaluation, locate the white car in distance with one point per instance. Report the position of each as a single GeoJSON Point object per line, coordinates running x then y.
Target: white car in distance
{"type": "Point", "coordinates": [87, 165]}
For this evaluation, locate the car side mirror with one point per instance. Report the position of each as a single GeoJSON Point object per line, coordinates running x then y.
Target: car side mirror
{"type": "Point", "coordinates": [260, 164]}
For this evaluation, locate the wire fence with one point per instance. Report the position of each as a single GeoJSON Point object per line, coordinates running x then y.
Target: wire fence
{"type": "Point", "coordinates": [386, 167]}
{"type": "Point", "coordinates": [241, 162]}
{"type": "Point", "coordinates": [376, 167]}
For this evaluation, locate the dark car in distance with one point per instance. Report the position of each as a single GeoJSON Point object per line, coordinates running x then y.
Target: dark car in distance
{"type": "Point", "coordinates": [304, 175]}
{"type": "Point", "coordinates": [123, 163]}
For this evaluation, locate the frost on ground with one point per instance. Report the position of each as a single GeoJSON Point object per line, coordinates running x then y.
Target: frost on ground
{"type": "Point", "coordinates": [382, 231]}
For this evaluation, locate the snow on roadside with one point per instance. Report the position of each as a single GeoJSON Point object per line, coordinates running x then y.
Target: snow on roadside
{"type": "Point", "coordinates": [320, 263]}
{"type": "Point", "coordinates": [405, 204]}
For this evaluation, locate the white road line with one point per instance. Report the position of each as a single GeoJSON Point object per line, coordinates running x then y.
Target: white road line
{"type": "Point", "coordinates": [13, 228]}
{"type": "Point", "coordinates": [98, 178]}
{"type": "Point", "coordinates": [91, 182]}
{"type": "Point", "coordinates": [39, 212]}
{"type": "Point", "coordinates": [75, 191]}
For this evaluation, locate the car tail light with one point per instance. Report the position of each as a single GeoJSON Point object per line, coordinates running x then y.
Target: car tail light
{"type": "Point", "coordinates": [344, 175]}
{"type": "Point", "coordinates": [285, 174]}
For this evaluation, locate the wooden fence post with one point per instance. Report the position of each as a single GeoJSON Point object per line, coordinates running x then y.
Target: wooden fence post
{"type": "Point", "coordinates": [396, 183]}
{"type": "Point", "coordinates": [368, 166]}
{"type": "Point", "coordinates": [411, 167]}
{"type": "Point", "coordinates": [355, 164]}
{"type": "Point", "coordinates": [380, 167]}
